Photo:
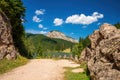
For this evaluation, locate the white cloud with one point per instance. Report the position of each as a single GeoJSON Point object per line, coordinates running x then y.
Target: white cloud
{"type": "Point", "coordinates": [35, 31]}
{"type": "Point", "coordinates": [97, 15]}
{"type": "Point", "coordinates": [83, 19]}
{"type": "Point", "coordinates": [58, 21]}
{"type": "Point", "coordinates": [40, 26]}
{"type": "Point", "coordinates": [36, 19]}
{"type": "Point", "coordinates": [39, 12]}
{"type": "Point", "coordinates": [32, 31]}
{"type": "Point", "coordinates": [43, 32]}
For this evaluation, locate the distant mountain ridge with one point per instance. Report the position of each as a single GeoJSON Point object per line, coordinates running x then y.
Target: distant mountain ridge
{"type": "Point", "coordinates": [59, 35]}
{"type": "Point", "coordinates": [49, 44]}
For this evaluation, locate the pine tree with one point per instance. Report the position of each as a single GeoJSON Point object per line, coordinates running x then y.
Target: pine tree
{"type": "Point", "coordinates": [15, 10]}
{"type": "Point", "coordinates": [117, 25]}
{"type": "Point", "coordinates": [39, 50]}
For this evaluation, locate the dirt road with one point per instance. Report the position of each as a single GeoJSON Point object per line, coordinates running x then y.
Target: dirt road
{"type": "Point", "coordinates": [40, 69]}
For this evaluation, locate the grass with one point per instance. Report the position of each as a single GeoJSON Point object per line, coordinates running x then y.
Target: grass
{"type": "Point", "coordinates": [67, 50]}
{"type": "Point", "coordinates": [7, 65]}
{"type": "Point", "coordinates": [69, 75]}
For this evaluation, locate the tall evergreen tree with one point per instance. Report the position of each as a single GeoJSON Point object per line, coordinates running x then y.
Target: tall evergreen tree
{"type": "Point", "coordinates": [39, 50]}
{"type": "Point", "coordinates": [83, 42]}
{"type": "Point", "coordinates": [117, 25]}
{"type": "Point", "coordinates": [15, 10]}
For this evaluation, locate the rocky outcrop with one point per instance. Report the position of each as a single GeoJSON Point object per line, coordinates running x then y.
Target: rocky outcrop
{"type": "Point", "coordinates": [103, 55]}
{"type": "Point", "coordinates": [60, 35]}
{"type": "Point", "coordinates": [7, 48]}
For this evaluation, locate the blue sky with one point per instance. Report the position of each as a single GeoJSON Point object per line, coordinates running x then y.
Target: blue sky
{"type": "Point", "coordinates": [75, 18]}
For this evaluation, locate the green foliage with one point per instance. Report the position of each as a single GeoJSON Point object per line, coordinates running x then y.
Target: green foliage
{"type": "Point", "coordinates": [6, 65]}
{"type": "Point", "coordinates": [84, 41]}
{"type": "Point", "coordinates": [77, 49]}
{"type": "Point", "coordinates": [45, 44]}
{"type": "Point", "coordinates": [39, 45]}
{"type": "Point", "coordinates": [29, 47]}
{"type": "Point", "coordinates": [39, 50]}
{"type": "Point", "coordinates": [14, 10]}
{"type": "Point", "coordinates": [84, 66]}
{"type": "Point", "coordinates": [69, 75]}
{"type": "Point", "coordinates": [117, 25]}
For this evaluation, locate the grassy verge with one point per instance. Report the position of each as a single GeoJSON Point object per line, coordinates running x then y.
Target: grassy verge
{"type": "Point", "coordinates": [69, 75]}
{"type": "Point", "coordinates": [7, 65]}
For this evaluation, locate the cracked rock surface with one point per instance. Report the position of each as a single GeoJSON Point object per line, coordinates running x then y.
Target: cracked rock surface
{"type": "Point", "coordinates": [7, 48]}
{"type": "Point", "coordinates": [103, 55]}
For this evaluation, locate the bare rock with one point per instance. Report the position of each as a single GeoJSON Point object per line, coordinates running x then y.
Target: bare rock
{"type": "Point", "coordinates": [60, 35]}
{"type": "Point", "coordinates": [94, 38]}
{"type": "Point", "coordinates": [7, 48]}
{"type": "Point", "coordinates": [103, 56]}
{"type": "Point", "coordinates": [107, 30]}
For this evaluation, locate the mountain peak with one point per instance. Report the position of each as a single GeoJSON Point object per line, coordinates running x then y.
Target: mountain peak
{"type": "Point", "coordinates": [60, 35]}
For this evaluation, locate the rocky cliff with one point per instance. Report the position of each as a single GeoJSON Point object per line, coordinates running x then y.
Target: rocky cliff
{"type": "Point", "coordinates": [60, 35]}
{"type": "Point", "coordinates": [7, 48]}
{"type": "Point", "coordinates": [103, 55]}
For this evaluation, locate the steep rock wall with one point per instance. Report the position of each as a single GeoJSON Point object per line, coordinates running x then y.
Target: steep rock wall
{"type": "Point", "coordinates": [103, 55]}
{"type": "Point", "coordinates": [7, 48]}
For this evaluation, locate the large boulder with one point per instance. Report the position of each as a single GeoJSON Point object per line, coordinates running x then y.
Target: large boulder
{"type": "Point", "coordinates": [7, 48]}
{"type": "Point", "coordinates": [103, 56]}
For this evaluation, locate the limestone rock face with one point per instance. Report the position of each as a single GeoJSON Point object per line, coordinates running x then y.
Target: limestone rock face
{"type": "Point", "coordinates": [60, 35]}
{"type": "Point", "coordinates": [103, 56]}
{"type": "Point", "coordinates": [7, 48]}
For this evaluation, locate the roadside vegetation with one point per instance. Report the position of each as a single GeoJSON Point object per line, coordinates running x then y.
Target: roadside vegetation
{"type": "Point", "coordinates": [7, 65]}
{"type": "Point", "coordinates": [15, 11]}
{"type": "Point", "coordinates": [38, 45]}
{"type": "Point", "coordinates": [69, 75]}
{"type": "Point", "coordinates": [77, 49]}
